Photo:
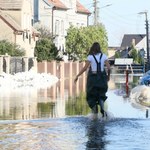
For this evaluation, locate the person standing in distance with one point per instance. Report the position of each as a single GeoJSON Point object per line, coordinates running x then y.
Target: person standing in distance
{"type": "Point", "coordinates": [97, 78]}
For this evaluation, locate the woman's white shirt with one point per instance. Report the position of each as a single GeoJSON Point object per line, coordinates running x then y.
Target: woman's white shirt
{"type": "Point", "coordinates": [93, 62]}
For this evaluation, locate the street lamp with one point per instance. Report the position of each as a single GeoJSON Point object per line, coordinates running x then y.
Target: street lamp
{"type": "Point", "coordinates": [147, 39]}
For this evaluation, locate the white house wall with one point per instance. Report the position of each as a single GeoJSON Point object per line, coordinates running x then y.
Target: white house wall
{"type": "Point", "coordinates": [68, 19]}
{"type": "Point", "coordinates": [141, 44]}
{"type": "Point", "coordinates": [26, 15]}
{"type": "Point", "coordinates": [59, 28]}
{"type": "Point", "coordinates": [78, 20]}
{"type": "Point", "coordinates": [45, 14]}
{"type": "Point", "coordinates": [62, 19]}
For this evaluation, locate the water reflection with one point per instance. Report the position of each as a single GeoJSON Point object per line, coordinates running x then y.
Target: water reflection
{"type": "Point", "coordinates": [64, 122]}
{"type": "Point", "coordinates": [96, 135]}
{"type": "Point", "coordinates": [62, 99]}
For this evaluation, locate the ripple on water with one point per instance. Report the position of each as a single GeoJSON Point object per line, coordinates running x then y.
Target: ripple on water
{"type": "Point", "coordinates": [75, 133]}
{"type": "Point", "coordinates": [128, 134]}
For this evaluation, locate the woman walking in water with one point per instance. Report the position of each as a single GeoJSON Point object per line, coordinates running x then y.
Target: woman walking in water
{"type": "Point", "coordinates": [97, 78]}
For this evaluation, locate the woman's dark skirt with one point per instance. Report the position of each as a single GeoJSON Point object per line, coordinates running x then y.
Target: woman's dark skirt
{"type": "Point", "coordinates": [96, 88]}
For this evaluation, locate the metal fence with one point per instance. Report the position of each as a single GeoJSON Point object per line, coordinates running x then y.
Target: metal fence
{"type": "Point", "coordinates": [13, 65]}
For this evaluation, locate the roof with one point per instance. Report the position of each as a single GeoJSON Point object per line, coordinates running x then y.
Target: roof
{"type": "Point", "coordinates": [82, 9]}
{"type": "Point", "coordinates": [11, 4]}
{"type": "Point", "coordinates": [56, 3]}
{"type": "Point", "coordinates": [128, 38]}
{"type": "Point", "coordinates": [10, 22]}
{"type": "Point", "coordinates": [59, 5]}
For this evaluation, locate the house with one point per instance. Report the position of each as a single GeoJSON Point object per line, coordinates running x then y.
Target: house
{"type": "Point", "coordinates": [58, 15]}
{"type": "Point", "coordinates": [136, 40]}
{"type": "Point", "coordinates": [111, 54]}
{"type": "Point", "coordinates": [129, 40]}
{"type": "Point", "coordinates": [15, 20]}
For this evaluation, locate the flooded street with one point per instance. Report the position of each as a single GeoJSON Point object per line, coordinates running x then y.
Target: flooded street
{"type": "Point", "coordinates": [58, 118]}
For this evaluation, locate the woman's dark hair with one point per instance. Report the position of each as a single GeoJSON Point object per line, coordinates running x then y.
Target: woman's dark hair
{"type": "Point", "coordinates": [95, 48]}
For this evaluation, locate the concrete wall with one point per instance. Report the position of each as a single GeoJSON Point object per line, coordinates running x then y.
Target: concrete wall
{"type": "Point", "coordinates": [60, 69]}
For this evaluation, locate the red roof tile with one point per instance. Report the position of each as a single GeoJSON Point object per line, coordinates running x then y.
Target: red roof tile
{"type": "Point", "coordinates": [82, 9]}
{"type": "Point", "coordinates": [58, 4]}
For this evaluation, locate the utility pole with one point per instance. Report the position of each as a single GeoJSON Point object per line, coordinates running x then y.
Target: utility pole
{"type": "Point", "coordinates": [147, 40]}
{"type": "Point", "coordinates": [96, 12]}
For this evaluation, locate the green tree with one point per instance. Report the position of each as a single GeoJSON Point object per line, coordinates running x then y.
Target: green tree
{"type": "Point", "coordinates": [44, 32]}
{"type": "Point", "coordinates": [45, 48]}
{"type": "Point", "coordinates": [79, 40]}
{"type": "Point", "coordinates": [134, 55]}
{"type": "Point", "coordinates": [11, 49]}
{"type": "Point", "coordinates": [117, 54]}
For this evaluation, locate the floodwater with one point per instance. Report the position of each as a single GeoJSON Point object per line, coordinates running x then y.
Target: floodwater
{"type": "Point", "coordinates": [58, 118]}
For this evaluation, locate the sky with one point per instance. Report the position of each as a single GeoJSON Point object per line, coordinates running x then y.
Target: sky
{"type": "Point", "coordinates": [121, 17]}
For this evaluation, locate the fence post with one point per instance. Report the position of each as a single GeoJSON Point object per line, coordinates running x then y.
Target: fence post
{"type": "Point", "coordinates": [71, 79]}
{"type": "Point", "coordinates": [26, 67]}
{"type": "Point", "coordinates": [53, 68]}
{"type": "Point", "coordinates": [77, 83]}
{"type": "Point", "coordinates": [127, 80]}
{"type": "Point", "coordinates": [7, 58]}
{"type": "Point", "coordinates": [34, 64]}
{"type": "Point", "coordinates": [70, 69]}
{"type": "Point", "coordinates": [62, 83]}
{"type": "Point", "coordinates": [84, 77]}
{"type": "Point", "coordinates": [45, 66]}
{"type": "Point", "coordinates": [62, 70]}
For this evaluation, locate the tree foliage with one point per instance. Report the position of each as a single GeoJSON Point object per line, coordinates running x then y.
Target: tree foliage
{"type": "Point", "coordinates": [44, 32]}
{"type": "Point", "coordinates": [45, 48]}
{"type": "Point", "coordinates": [117, 54]}
{"type": "Point", "coordinates": [79, 40]}
{"type": "Point", "coordinates": [10, 48]}
{"type": "Point", "coordinates": [134, 55]}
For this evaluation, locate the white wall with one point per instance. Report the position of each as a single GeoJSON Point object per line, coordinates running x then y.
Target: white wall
{"type": "Point", "coordinates": [142, 45]}
{"type": "Point", "coordinates": [62, 19]}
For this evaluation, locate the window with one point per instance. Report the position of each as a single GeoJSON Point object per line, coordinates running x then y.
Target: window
{"type": "Point", "coordinates": [62, 27]}
{"type": "Point", "coordinates": [57, 27]}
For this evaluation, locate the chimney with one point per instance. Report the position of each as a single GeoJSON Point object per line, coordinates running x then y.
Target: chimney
{"type": "Point", "coordinates": [133, 42]}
